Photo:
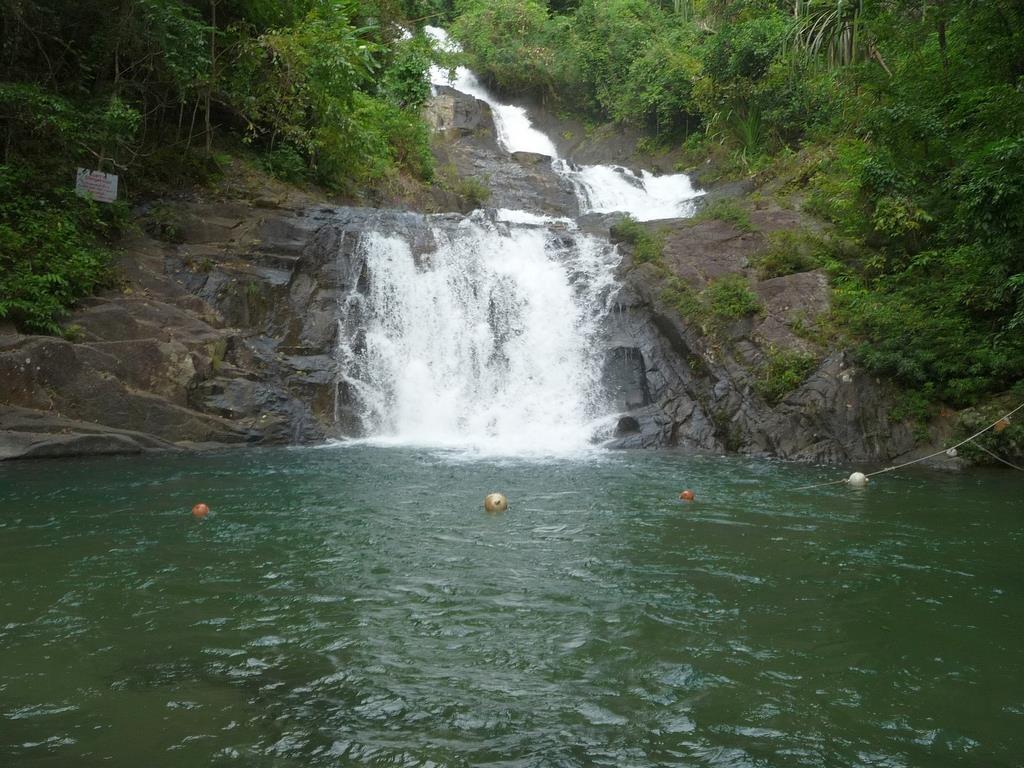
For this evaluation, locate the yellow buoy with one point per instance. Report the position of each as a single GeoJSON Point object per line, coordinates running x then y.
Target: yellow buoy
{"type": "Point", "coordinates": [495, 502]}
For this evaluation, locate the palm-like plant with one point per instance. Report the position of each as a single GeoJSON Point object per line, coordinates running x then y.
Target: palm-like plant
{"type": "Point", "coordinates": [834, 31]}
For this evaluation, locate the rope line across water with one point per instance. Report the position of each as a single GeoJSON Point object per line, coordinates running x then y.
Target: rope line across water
{"type": "Point", "coordinates": [997, 457]}
{"type": "Point", "coordinates": [931, 455]}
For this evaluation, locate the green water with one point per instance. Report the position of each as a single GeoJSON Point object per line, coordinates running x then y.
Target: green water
{"type": "Point", "coordinates": [355, 606]}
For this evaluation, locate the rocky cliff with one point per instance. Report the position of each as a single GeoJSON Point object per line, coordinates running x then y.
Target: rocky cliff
{"type": "Point", "coordinates": [224, 325]}
{"type": "Point", "coordinates": [701, 381]}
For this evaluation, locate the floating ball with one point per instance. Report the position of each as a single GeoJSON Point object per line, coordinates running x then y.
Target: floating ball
{"type": "Point", "coordinates": [687, 495]}
{"type": "Point", "coordinates": [952, 453]}
{"type": "Point", "coordinates": [200, 510]}
{"type": "Point", "coordinates": [495, 502]}
{"type": "Point", "coordinates": [858, 480]}
{"type": "Point", "coordinates": [1001, 425]}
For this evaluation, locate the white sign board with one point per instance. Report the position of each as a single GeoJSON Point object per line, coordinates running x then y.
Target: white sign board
{"type": "Point", "coordinates": [97, 185]}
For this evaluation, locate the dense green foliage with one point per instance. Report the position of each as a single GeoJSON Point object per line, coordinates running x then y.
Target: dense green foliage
{"type": "Point", "coordinates": [50, 254]}
{"type": "Point", "coordinates": [318, 90]}
{"type": "Point", "coordinates": [899, 121]}
{"type": "Point", "coordinates": [730, 298]}
{"type": "Point", "coordinates": [727, 210]}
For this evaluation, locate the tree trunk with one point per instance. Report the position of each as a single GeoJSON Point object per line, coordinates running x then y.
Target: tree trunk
{"type": "Point", "coordinates": [213, 74]}
{"type": "Point", "coordinates": [942, 44]}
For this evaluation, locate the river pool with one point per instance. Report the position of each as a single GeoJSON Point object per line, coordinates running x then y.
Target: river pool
{"type": "Point", "coordinates": [354, 605]}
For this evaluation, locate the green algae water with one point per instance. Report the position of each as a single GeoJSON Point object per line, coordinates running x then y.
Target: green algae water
{"type": "Point", "coordinates": [355, 606]}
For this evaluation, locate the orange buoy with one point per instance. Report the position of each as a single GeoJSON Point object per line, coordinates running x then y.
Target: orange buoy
{"type": "Point", "coordinates": [1002, 424]}
{"type": "Point", "coordinates": [200, 510]}
{"type": "Point", "coordinates": [686, 495]}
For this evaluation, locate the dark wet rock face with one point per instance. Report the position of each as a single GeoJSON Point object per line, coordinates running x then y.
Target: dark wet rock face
{"type": "Point", "coordinates": [179, 358]}
{"type": "Point", "coordinates": [702, 380]}
{"type": "Point", "coordinates": [521, 181]}
{"type": "Point", "coordinates": [36, 434]}
{"type": "Point", "coordinates": [625, 378]}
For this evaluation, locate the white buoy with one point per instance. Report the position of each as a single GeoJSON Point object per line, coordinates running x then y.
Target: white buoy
{"type": "Point", "coordinates": [495, 502]}
{"type": "Point", "coordinates": [951, 452]}
{"type": "Point", "coordinates": [857, 480]}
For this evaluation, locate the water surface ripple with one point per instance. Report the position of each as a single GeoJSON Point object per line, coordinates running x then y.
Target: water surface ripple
{"type": "Point", "coordinates": [355, 606]}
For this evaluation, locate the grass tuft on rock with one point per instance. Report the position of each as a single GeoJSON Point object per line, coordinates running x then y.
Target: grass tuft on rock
{"type": "Point", "coordinates": [647, 246]}
{"type": "Point", "coordinates": [783, 372]}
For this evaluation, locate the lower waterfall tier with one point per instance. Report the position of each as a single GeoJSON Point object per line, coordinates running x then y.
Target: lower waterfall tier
{"type": "Point", "coordinates": [488, 338]}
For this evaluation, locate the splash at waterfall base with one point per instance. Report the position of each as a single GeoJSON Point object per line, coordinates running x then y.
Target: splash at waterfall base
{"type": "Point", "coordinates": [485, 334]}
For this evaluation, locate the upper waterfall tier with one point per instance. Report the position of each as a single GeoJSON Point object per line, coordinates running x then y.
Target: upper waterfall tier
{"type": "Point", "coordinates": [599, 188]}
{"type": "Point", "coordinates": [514, 127]}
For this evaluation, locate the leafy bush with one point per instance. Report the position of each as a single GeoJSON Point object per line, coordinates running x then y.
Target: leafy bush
{"type": "Point", "coordinates": [788, 252]}
{"type": "Point", "coordinates": [935, 328]}
{"type": "Point", "coordinates": [658, 87]}
{"type": "Point", "coordinates": [404, 81]}
{"type": "Point", "coordinates": [286, 163]}
{"type": "Point", "coordinates": [508, 42]}
{"type": "Point", "coordinates": [49, 128]}
{"type": "Point", "coordinates": [379, 139]}
{"type": "Point", "coordinates": [783, 371]}
{"type": "Point", "coordinates": [472, 192]}
{"type": "Point", "coordinates": [735, 61]}
{"type": "Point", "coordinates": [728, 210]}
{"type": "Point", "coordinates": [605, 40]}
{"type": "Point", "coordinates": [836, 187]}
{"type": "Point", "coordinates": [681, 297]}
{"type": "Point", "coordinates": [721, 302]}
{"type": "Point", "coordinates": [51, 253]}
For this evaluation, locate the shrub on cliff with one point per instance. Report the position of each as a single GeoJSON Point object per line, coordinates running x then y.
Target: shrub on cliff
{"type": "Point", "coordinates": [51, 250]}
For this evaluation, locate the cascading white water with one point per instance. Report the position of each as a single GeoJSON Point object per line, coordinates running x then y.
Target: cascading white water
{"type": "Point", "coordinates": [515, 130]}
{"type": "Point", "coordinates": [491, 341]}
{"type": "Point", "coordinates": [600, 188]}
{"type": "Point", "coordinates": [644, 196]}
{"type": "Point", "coordinates": [487, 342]}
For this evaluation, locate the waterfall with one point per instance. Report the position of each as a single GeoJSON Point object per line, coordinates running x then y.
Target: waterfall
{"type": "Point", "coordinates": [512, 124]}
{"type": "Point", "coordinates": [489, 341]}
{"type": "Point", "coordinates": [643, 195]}
{"type": "Point", "coordinates": [600, 188]}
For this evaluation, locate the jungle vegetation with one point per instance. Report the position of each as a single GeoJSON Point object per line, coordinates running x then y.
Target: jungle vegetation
{"type": "Point", "coordinates": [325, 91]}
